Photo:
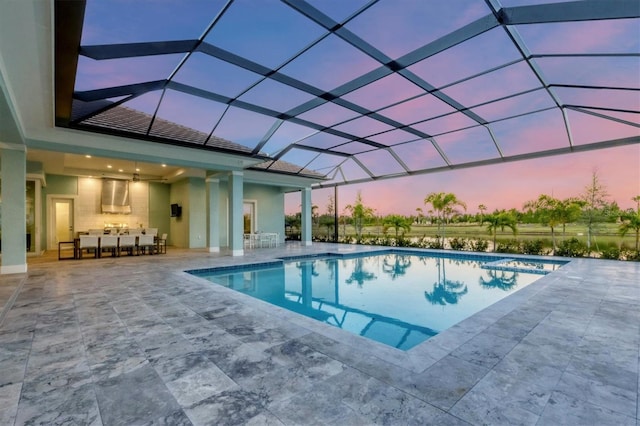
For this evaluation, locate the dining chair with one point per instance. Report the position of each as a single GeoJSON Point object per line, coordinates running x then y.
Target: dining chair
{"type": "Point", "coordinates": [109, 243]}
{"type": "Point", "coordinates": [127, 243]}
{"type": "Point", "coordinates": [90, 243]}
{"type": "Point", "coordinates": [146, 242]}
{"type": "Point", "coordinates": [162, 244]}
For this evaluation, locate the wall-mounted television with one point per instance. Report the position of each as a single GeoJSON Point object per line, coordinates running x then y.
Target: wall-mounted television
{"type": "Point", "coordinates": [176, 210]}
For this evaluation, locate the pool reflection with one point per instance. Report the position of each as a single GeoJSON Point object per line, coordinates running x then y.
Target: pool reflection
{"type": "Point", "coordinates": [398, 299]}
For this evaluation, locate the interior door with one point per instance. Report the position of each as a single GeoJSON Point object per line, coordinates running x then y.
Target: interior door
{"type": "Point", "coordinates": [63, 219]}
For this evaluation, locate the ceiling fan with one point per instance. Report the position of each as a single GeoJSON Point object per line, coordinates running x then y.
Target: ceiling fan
{"type": "Point", "coordinates": [136, 176]}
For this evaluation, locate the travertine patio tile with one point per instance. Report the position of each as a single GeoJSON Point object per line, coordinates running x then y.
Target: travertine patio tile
{"type": "Point", "coordinates": [134, 340]}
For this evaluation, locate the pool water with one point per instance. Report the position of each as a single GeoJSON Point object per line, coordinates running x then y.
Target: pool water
{"type": "Point", "coordinates": [396, 298]}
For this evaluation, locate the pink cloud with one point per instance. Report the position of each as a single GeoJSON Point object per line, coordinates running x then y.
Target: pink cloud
{"type": "Point", "coordinates": [418, 109]}
{"type": "Point", "coordinates": [532, 101]}
{"type": "Point", "coordinates": [467, 145]}
{"type": "Point", "coordinates": [202, 116]}
{"type": "Point", "coordinates": [592, 71]}
{"type": "Point", "coordinates": [414, 24]}
{"type": "Point", "coordinates": [328, 114]}
{"type": "Point", "coordinates": [330, 63]}
{"type": "Point", "coordinates": [603, 98]}
{"type": "Point", "coordinates": [531, 133]}
{"type": "Point", "coordinates": [384, 92]}
{"type": "Point", "coordinates": [483, 52]}
{"type": "Point", "coordinates": [501, 186]}
{"type": "Point", "coordinates": [419, 155]}
{"type": "Point", "coordinates": [118, 72]}
{"type": "Point", "coordinates": [588, 128]}
{"type": "Point", "coordinates": [619, 35]}
{"type": "Point", "coordinates": [503, 82]}
{"type": "Point", "coordinates": [448, 123]}
{"type": "Point", "coordinates": [363, 126]}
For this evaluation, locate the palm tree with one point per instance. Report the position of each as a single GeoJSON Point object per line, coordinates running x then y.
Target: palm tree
{"type": "Point", "coordinates": [631, 222]}
{"type": "Point", "coordinates": [445, 291]}
{"type": "Point", "coordinates": [397, 267]}
{"type": "Point", "coordinates": [399, 223]}
{"type": "Point", "coordinates": [482, 209]}
{"type": "Point", "coordinates": [359, 274]}
{"type": "Point", "coordinates": [443, 204]}
{"type": "Point", "coordinates": [500, 220]}
{"type": "Point", "coordinates": [420, 215]}
{"type": "Point", "coordinates": [503, 280]}
{"type": "Point", "coordinates": [553, 212]}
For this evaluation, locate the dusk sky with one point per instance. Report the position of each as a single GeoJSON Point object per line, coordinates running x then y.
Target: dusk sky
{"type": "Point", "coordinates": [501, 186]}
{"type": "Point", "coordinates": [482, 98]}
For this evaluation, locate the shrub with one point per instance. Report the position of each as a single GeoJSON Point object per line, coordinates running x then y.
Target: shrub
{"type": "Point", "coordinates": [422, 242]}
{"type": "Point", "coordinates": [571, 248]}
{"type": "Point", "coordinates": [403, 242]}
{"type": "Point", "coordinates": [509, 246]}
{"type": "Point", "coordinates": [458, 243]}
{"type": "Point", "coordinates": [479, 245]}
{"type": "Point", "coordinates": [434, 243]}
{"type": "Point", "coordinates": [610, 253]}
{"type": "Point", "coordinates": [631, 255]}
{"type": "Point", "coordinates": [533, 247]}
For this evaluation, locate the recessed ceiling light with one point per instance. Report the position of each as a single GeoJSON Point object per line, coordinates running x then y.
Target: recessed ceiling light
{"type": "Point", "coordinates": [87, 156]}
{"type": "Point", "coordinates": [120, 170]}
{"type": "Point", "coordinates": [164, 165]}
{"type": "Point", "coordinates": [109, 166]}
{"type": "Point", "coordinates": [137, 169]}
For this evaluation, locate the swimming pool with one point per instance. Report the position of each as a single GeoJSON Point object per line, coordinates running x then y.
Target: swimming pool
{"type": "Point", "coordinates": [398, 298]}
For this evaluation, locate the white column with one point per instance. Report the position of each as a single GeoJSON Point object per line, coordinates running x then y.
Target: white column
{"type": "Point", "coordinates": [236, 221]}
{"type": "Point", "coordinates": [14, 209]}
{"type": "Point", "coordinates": [306, 217]}
{"type": "Point", "coordinates": [213, 217]}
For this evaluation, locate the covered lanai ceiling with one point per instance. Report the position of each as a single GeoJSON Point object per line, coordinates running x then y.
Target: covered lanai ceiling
{"type": "Point", "coordinates": [355, 90]}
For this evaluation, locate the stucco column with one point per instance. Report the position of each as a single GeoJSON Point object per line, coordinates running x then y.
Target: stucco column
{"type": "Point", "coordinates": [306, 217]}
{"type": "Point", "coordinates": [236, 221]}
{"type": "Point", "coordinates": [14, 209]}
{"type": "Point", "coordinates": [213, 216]}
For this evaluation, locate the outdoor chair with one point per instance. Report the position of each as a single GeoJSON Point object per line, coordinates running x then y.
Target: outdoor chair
{"type": "Point", "coordinates": [162, 244]}
{"type": "Point", "coordinates": [109, 243]}
{"type": "Point", "coordinates": [248, 240]}
{"type": "Point", "coordinates": [146, 242]}
{"type": "Point", "coordinates": [89, 243]}
{"type": "Point", "coordinates": [127, 243]}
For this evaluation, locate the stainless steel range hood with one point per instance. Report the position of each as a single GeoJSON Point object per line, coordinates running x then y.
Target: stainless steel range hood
{"type": "Point", "coordinates": [115, 196]}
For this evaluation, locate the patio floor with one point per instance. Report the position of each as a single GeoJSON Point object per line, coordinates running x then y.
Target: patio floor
{"type": "Point", "coordinates": [130, 341]}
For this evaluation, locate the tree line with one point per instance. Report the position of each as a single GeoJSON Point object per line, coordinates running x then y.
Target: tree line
{"type": "Point", "coordinates": [590, 209]}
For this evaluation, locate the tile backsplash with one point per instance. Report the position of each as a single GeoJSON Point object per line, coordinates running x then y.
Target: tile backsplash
{"type": "Point", "coordinates": [89, 212]}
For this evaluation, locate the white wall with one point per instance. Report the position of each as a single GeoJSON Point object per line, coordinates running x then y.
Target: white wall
{"type": "Point", "coordinates": [89, 211]}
